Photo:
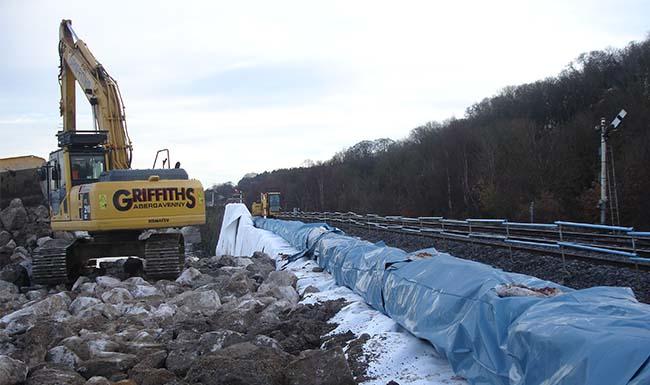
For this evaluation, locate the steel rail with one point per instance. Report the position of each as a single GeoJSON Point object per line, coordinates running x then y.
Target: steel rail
{"type": "Point", "coordinates": [620, 246]}
{"type": "Point", "coordinates": [538, 230]}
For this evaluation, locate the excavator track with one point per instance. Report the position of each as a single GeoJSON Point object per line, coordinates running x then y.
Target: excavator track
{"type": "Point", "coordinates": [49, 266]}
{"type": "Point", "coordinates": [164, 256]}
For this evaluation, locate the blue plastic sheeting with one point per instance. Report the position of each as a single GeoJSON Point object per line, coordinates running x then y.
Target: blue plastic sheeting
{"type": "Point", "coordinates": [601, 333]}
{"type": "Point", "coordinates": [359, 265]}
{"type": "Point", "coordinates": [452, 303]}
{"type": "Point", "coordinates": [597, 336]}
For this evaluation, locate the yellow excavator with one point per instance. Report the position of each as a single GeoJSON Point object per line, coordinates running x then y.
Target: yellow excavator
{"type": "Point", "coordinates": [91, 187]}
{"type": "Point", "coordinates": [268, 206]}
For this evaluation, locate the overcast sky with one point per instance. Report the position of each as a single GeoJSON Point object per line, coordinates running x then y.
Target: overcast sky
{"type": "Point", "coordinates": [232, 87]}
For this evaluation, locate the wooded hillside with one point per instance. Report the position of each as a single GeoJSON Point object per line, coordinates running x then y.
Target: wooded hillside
{"type": "Point", "coordinates": [530, 143]}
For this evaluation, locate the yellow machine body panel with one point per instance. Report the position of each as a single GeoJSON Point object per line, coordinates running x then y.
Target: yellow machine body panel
{"type": "Point", "coordinates": [256, 209]}
{"type": "Point", "coordinates": [134, 204]}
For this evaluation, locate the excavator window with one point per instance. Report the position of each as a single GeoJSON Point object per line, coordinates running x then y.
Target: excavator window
{"type": "Point", "coordinates": [86, 168]}
{"type": "Point", "coordinates": [56, 179]}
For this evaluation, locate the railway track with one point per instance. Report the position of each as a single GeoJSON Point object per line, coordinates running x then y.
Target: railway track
{"type": "Point", "coordinates": [611, 245]}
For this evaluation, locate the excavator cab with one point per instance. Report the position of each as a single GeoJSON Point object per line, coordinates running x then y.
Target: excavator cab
{"type": "Point", "coordinates": [274, 207]}
{"type": "Point", "coordinates": [81, 159]}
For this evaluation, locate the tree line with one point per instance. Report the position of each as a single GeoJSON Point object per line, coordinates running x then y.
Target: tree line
{"type": "Point", "coordinates": [530, 149]}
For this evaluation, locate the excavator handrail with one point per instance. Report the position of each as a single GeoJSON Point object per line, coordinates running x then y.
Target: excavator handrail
{"type": "Point", "coordinates": [164, 160]}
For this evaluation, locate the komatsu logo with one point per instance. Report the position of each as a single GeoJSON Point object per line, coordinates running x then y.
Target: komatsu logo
{"type": "Point", "coordinates": [153, 198]}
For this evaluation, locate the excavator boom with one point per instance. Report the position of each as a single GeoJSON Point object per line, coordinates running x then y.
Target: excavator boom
{"type": "Point", "coordinates": [101, 90]}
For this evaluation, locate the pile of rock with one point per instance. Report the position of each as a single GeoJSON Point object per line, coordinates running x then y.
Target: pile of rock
{"type": "Point", "coordinates": [225, 320]}
{"type": "Point", "coordinates": [22, 229]}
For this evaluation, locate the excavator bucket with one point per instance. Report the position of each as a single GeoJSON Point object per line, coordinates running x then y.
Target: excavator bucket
{"type": "Point", "coordinates": [19, 178]}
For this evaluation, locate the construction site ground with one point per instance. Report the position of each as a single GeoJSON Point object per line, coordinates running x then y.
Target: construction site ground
{"type": "Point", "coordinates": [225, 320]}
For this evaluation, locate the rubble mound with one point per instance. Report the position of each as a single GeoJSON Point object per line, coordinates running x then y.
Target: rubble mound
{"type": "Point", "coordinates": [225, 320]}
{"type": "Point", "coordinates": [22, 229]}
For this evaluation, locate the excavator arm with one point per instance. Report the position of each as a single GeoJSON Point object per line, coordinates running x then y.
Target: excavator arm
{"type": "Point", "coordinates": [78, 64]}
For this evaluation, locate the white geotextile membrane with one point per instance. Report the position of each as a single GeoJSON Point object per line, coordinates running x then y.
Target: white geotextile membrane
{"type": "Point", "coordinates": [392, 352]}
{"type": "Point", "coordinates": [239, 237]}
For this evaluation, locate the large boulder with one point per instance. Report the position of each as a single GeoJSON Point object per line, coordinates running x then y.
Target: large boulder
{"type": "Point", "coordinates": [54, 376]}
{"type": "Point", "coordinates": [331, 366]}
{"type": "Point", "coordinates": [99, 312]}
{"type": "Point", "coordinates": [239, 284]}
{"type": "Point", "coordinates": [7, 348]}
{"type": "Point", "coordinates": [88, 289]}
{"type": "Point", "coordinates": [153, 359]}
{"type": "Point", "coordinates": [136, 281]}
{"type": "Point", "coordinates": [5, 237]}
{"type": "Point", "coordinates": [201, 302]}
{"type": "Point", "coordinates": [243, 261]}
{"type": "Point", "coordinates": [181, 356]}
{"type": "Point", "coordinates": [9, 246]}
{"type": "Point", "coordinates": [8, 287]}
{"type": "Point", "coordinates": [14, 217]}
{"type": "Point", "coordinates": [262, 265]}
{"type": "Point", "coordinates": [31, 240]}
{"type": "Point", "coordinates": [286, 293]}
{"type": "Point", "coordinates": [214, 341]}
{"type": "Point", "coordinates": [278, 278]}
{"type": "Point", "coordinates": [78, 346]}
{"type": "Point", "coordinates": [12, 372]}
{"type": "Point", "coordinates": [46, 307]}
{"type": "Point", "coordinates": [151, 376]}
{"type": "Point", "coordinates": [108, 282]}
{"type": "Point", "coordinates": [117, 295]}
{"type": "Point", "coordinates": [238, 315]}
{"type": "Point", "coordinates": [242, 363]}
{"type": "Point", "coordinates": [34, 295]}
{"type": "Point", "coordinates": [38, 339]}
{"type": "Point", "coordinates": [164, 311]}
{"type": "Point", "coordinates": [282, 278]}
{"type": "Point", "coordinates": [15, 273]}
{"type": "Point", "coordinates": [82, 303]}
{"type": "Point", "coordinates": [189, 276]}
{"type": "Point", "coordinates": [145, 291]}
{"type": "Point", "coordinates": [99, 343]}
{"type": "Point", "coordinates": [266, 322]}
{"type": "Point", "coordinates": [5, 255]}
{"type": "Point", "coordinates": [41, 213]}
{"type": "Point", "coordinates": [107, 365]}
{"type": "Point", "coordinates": [80, 281]}
{"type": "Point", "coordinates": [64, 356]}
{"type": "Point", "coordinates": [98, 380]}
